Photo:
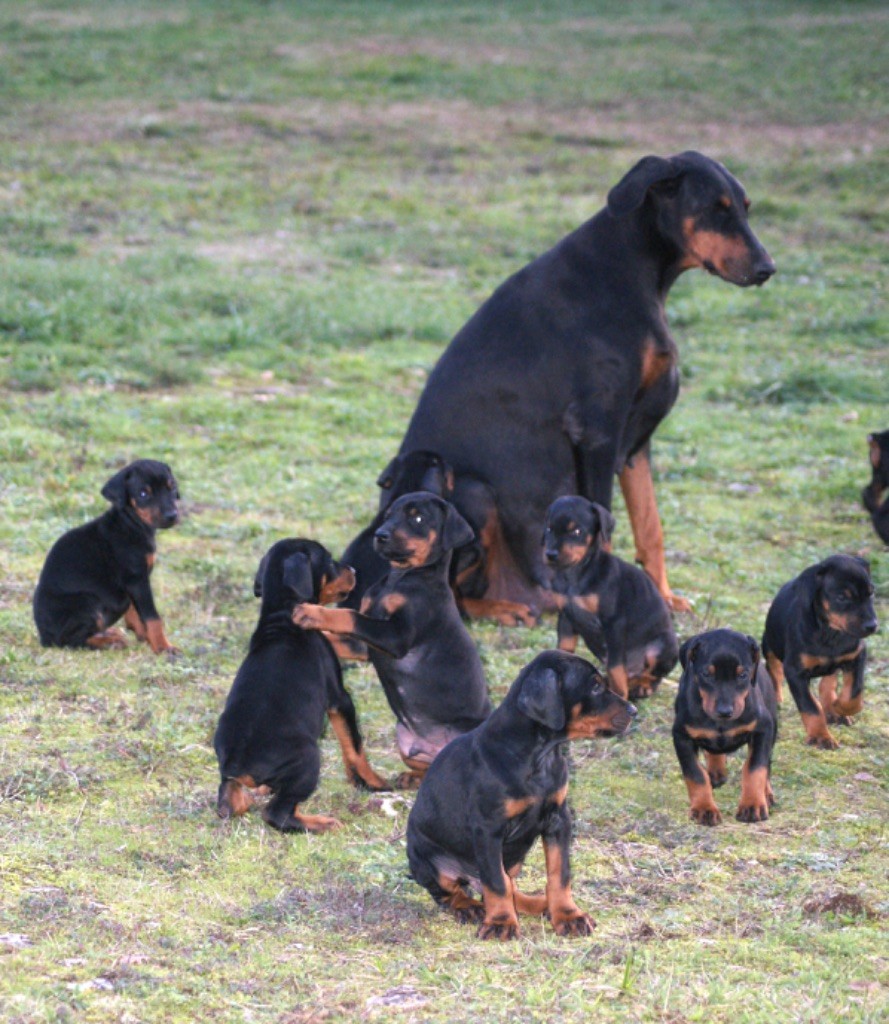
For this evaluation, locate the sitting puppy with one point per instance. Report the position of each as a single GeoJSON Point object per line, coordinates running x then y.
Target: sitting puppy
{"type": "Point", "coordinates": [268, 734]}
{"type": "Point", "coordinates": [489, 794]}
{"type": "Point", "coordinates": [725, 700]}
{"type": "Point", "coordinates": [872, 495]}
{"type": "Point", "coordinates": [614, 606]}
{"type": "Point", "coordinates": [816, 626]}
{"type": "Point", "coordinates": [97, 572]}
{"type": "Point", "coordinates": [426, 660]}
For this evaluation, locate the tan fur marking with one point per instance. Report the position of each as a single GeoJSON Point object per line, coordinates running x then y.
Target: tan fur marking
{"type": "Point", "coordinates": [355, 761]}
{"type": "Point", "coordinates": [337, 588]}
{"type": "Point", "coordinates": [754, 791]}
{"type": "Point", "coordinates": [316, 822]}
{"type": "Point", "coordinates": [655, 363]}
{"type": "Point", "coordinates": [565, 915]}
{"type": "Point", "coordinates": [817, 732]}
{"type": "Point", "coordinates": [703, 734]}
{"type": "Point", "coordinates": [134, 623]}
{"type": "Point", "coordinates": [157, 639]}
{"type": "Point", "coordinates": [500, 911]}
{"type": "Point", "coordinates": [587, 602]}
{"type": "Point", "coordinates": [648, 534]}
{"type": "Point", "coordinates": [703, 806]}
{"type": "Point", "coordinates": [827, 692]}
{"type": "Point", "coordinates": [776, 670]}
{"type": "Point", "coordinates": [391, 603]}
{"type": "Point", "coordinates": [513, 808]}
{"type": "Point", "coordinates": [711, 247]}
{"type": "Point", "coordinates": [314, 616]}
{"type": "Point", "coordinates": [716, 767]}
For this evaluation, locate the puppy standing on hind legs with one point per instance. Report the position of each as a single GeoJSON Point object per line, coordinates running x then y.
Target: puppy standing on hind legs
{"type": "Point", "coordinates": [490, 793]}
{"type": "Point", "coordinates": [267, 736]}
{"type": "Point", "coordinates": [427, 662]}
{"type": "Point", "coordinates": [98, 572]}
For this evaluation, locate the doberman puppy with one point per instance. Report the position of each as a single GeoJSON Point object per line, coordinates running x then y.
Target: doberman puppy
{"type": "Point", "coordinates": [413, 471]}
{"type": "Point", "coordinates": [872, 495]}
{"type": "Point", "coordinates": [725, 700]}
{"type": "Point", "coordinates": [614, 606]}
{"type": "Point", "coordinates": [559, 380]}
{"type": "Point", "coordinates": [267, 736]}
{"type": "Point", "coordinates": [98, 572]}
{"type": "Point", "coordinates": [410, 472]}
{"type": "Point", "coordinates": [426, 660]}
{"type": "Point", "coordinates": [816, 626]}
{"type": "Point", "coordinates": [489, 794]}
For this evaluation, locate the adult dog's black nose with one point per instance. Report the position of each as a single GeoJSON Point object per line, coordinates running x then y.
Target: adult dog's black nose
{"type": "Point", "coordinates": [763, 270]}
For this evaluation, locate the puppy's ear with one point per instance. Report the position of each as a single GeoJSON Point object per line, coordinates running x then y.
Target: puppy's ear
{"type": "Point", "coordinates": [687, 650]}
{"type": "Point", "coordinates": [296, 575]}
{"type": "Point", "coordinates": [755, 655]}
{"type": "Point", "coordinates": [260, 575]}
{"type": "Point", "coordinates": [630, 192]}
{"type": "Point", "coordinates": [875, 453]}
{"type": "Point", "coordinates": [606, 521]}
{"type": "Point", "coordinates": [540, 698]}
{"type": "Point", "coordinates": [864, 563]}
{"type": "Point", "coordinates": [387, 478]}
{"type": "Point", "coordinates": [115, 490]}
{"type": "Point", "coordinates": [456, 531]}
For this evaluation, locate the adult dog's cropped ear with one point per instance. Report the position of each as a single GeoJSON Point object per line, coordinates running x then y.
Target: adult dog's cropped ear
{"type": "Point", "coordinates": [387, 478]}
{"type": "Point", "coordinates": [630, 192]}
{"type": "Point", "coordinates": [687, 650]}
{"type": "Point", "coordinates": [606, 521]}
{"type": "Point", "coordinates": [296, 575]}
{"type": "Point", "coordinates": [456, 531]}
{"type": "Point", "coordinates": [260, 575]}
{"type": "Point", "coordinates": [540, 698]}
{"type": "Point", "coordinates": [115, 490]}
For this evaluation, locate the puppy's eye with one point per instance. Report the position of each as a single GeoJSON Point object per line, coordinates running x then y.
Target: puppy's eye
{"type": "Point", "coordinates": [143, 493]}
{"type": "Point", "coordinates": [416, 518]}
{"type": "Point", "coordinates": [576, 532]}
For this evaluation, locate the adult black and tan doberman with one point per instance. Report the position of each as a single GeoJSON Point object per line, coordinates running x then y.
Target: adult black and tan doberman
{"type": "Point", "coordinates": [557, 383]}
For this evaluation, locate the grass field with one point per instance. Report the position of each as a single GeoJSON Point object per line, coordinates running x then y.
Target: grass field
{"type": "Point", "coordinates": [236, 236]}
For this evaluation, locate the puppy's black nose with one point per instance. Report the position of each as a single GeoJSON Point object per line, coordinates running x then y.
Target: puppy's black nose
{"type": "Point", "coordinates": [869, 627]}
{"type": "Point", "coordinates": [383, 534]}
{"type": "Point", "coordinates": [551, 555]}
{"type": "Point", "coordinates": [724, 710]}
{"type": "Point", "coordinates": [170, 518]}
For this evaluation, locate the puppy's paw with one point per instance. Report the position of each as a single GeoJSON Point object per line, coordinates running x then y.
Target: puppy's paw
{"type": "Point", "coordinates": [502, 928]}
{"type": "Point", "coordinates": [751, 813]}
{"type": "Point", "coordinates": [575, 924]}
{"type": "Point", "coordinates": [706, 815]}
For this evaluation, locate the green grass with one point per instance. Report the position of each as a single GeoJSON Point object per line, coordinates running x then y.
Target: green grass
{"type": "Point", "coordinates": [236, 236]}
